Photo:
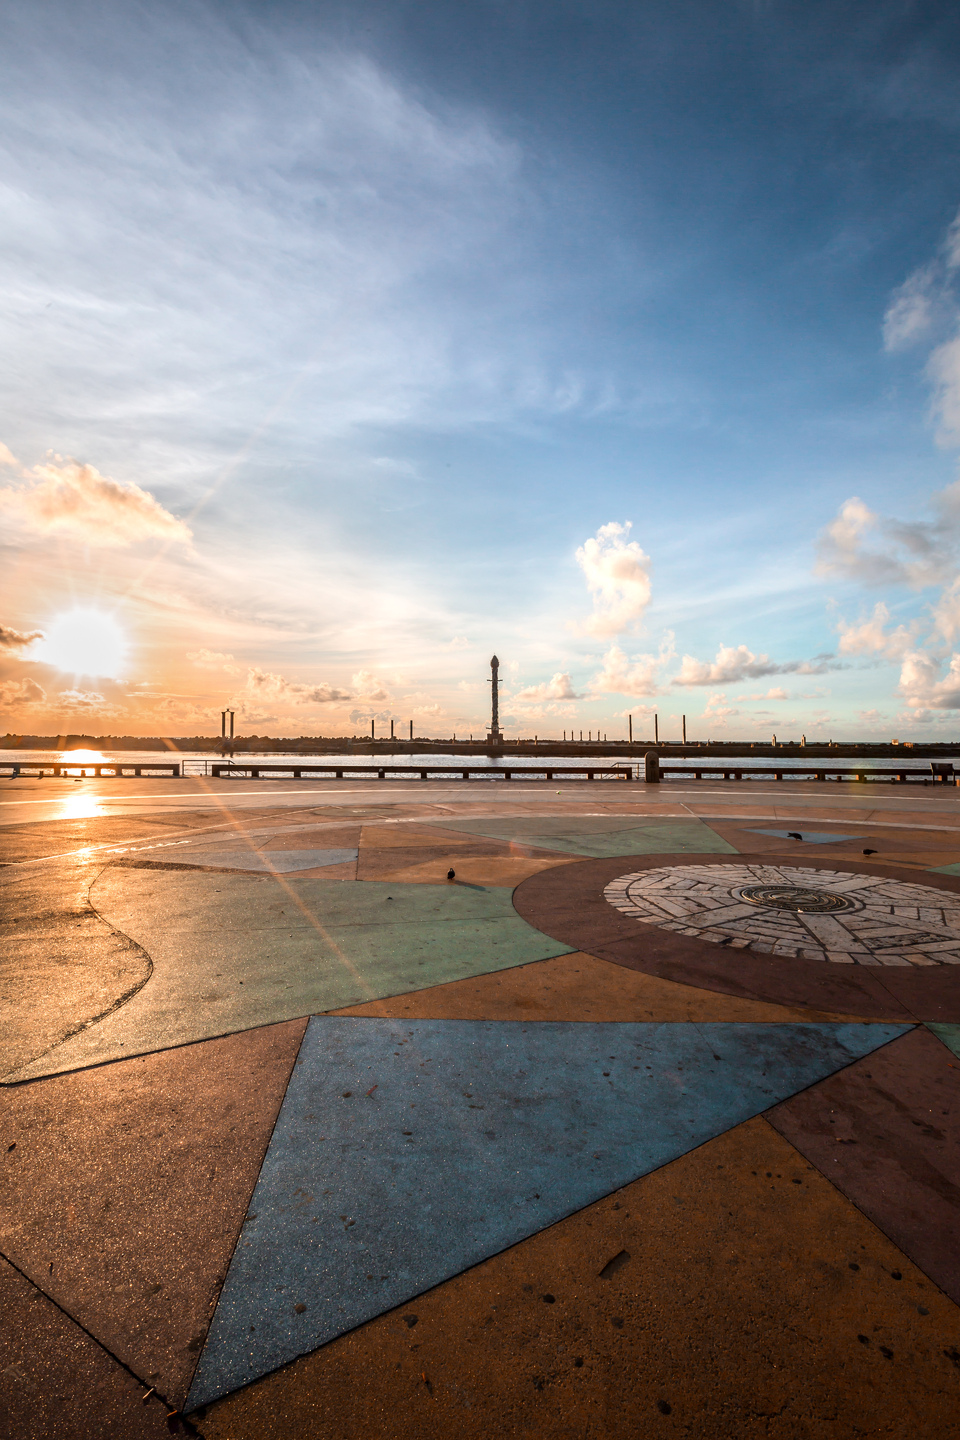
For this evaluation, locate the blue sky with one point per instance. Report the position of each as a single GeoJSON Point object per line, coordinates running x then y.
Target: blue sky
{"type": "Point", "coordinates": [345, 344]}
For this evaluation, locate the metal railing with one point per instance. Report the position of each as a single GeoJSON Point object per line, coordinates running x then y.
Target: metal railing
{"type": "Point", "coordinates": [255, 769]}
{"type": "Point", "coordinates": [115, 768]}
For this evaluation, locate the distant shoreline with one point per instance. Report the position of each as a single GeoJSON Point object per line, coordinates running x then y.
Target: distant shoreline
{"type": "Point", "coordinates": [571, 749]}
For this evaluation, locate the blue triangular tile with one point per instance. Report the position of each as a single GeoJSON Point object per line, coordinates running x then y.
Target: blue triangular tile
{"type": "Point", "coordinates": [407, 1151]}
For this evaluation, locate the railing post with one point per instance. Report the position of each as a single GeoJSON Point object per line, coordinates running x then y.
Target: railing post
{"type": "Point", "coordinates": [651, 767]}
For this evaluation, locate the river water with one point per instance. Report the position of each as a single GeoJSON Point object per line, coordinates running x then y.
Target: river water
{"type": "Point", "coordinates": [198, 763]}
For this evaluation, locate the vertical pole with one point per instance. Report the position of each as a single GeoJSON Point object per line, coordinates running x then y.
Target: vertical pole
{"type": "Point", "coordinates": [373, 732]}
{"type": "Point", "coordinates": [391, 729]}
{"type": "Point", "coordinates": [411, 729]}
{"type": "Point", "coordinates": [656, 731]}
{"type": "Point", "coordinates": [684, 720]}
{"type": "Point", "coordinates": [231, 724]}
{"type": "Point", "coordinates": [223, 724]}
{"type": "Point", "coordinates": [630, 723]}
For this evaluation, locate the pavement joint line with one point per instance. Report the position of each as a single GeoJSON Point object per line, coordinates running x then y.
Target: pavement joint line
{"type": "Point", "coordinates": [99, 1344]}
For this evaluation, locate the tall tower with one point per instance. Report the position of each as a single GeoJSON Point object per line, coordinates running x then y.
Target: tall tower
{"type": "Point", "coordinates": [495, 738]}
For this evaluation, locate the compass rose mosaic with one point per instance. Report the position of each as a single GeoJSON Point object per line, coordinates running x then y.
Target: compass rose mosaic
{"type": "Point", "coordinates": [797, 912]}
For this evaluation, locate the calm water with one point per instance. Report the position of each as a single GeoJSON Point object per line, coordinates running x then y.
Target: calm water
{"type": "Point", "coordinates": [199, 764]}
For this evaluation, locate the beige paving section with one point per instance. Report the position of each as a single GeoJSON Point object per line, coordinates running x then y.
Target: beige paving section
{"type": "Point", "coordinates": [473, 869]}
{"type": "Point", "coordinates": [731, 1295]}
{"type": "Point", "coordinates": [578, 987]}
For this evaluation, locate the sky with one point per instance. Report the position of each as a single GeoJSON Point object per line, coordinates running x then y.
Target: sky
{"type": "Point", "coordinates": [344, 345]}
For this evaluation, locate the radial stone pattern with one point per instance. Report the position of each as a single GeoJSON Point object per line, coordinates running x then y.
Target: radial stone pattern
{"type": "Point", "coordinates": [797, 911]}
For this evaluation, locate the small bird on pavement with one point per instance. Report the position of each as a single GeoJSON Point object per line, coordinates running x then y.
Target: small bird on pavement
{"type": "Point", "coordinates": [869, 852]}
{"type": "Point", "coordinates": [794, 835]}
{"type": "Point", "coordinates": [451, 874]}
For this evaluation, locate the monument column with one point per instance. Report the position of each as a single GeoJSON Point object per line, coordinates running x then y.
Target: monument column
{"type": "Point", "coordinates": [495, 738]}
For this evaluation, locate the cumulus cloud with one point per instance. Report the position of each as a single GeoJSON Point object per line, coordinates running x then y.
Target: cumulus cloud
{"type": "Point", "coordinates": [734, 664]}
{"type": "Point", "coordinates": [368, 687]}
{"type": "Point", "coordinates": [924, 308]}
{"type": "Point", "coordinates": [617, 572]}
{"type": "Point", "coordinates": [86, 701]}
{"type": "Point", "coordinates": [880, 550]}
{"type": "Point", "coordinates": [559, 688]}
{"type": "Point", "coordinates": [871, 637]}
{"type": "Point", "coordinates": [921, 684]}
{"type": "Point", "coordinates": [213, 660]}
{"type": "Point", "coordinates": [717, 710]}
{"type": "Point", "coordinates": [7, 457]}
{"type": "Point", "coordinates": [266, 688]}
{"type": "Point", "coordinates": [64, 497]}
{"type": "Point", "coordinates": [11, 639]}
{"type": "Point", "coordinates": [638, 675]}
{"type": "Point", "coordinates": [21, 692]}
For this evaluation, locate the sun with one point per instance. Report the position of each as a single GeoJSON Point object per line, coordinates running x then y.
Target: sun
{"type": "Point", "coordinates": [85, 641]}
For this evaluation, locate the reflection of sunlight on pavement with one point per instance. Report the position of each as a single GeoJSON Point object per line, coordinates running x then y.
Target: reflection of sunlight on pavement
{"type": "Point", "coordinates": [80, 807]}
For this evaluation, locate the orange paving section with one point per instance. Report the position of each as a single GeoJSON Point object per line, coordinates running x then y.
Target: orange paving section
{"type": "Point", "coordinates": [578, 987]}
{"type": "Point", "coordinates": [731, 1295]}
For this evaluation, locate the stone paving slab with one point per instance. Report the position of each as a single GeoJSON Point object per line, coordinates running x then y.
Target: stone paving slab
{"type": "Point", "coordinates": [266, 861]}
{"type": "Point", "coordinates": [61, 964]}
{"type": "Point", "coordinates": [123, 1189]}
{"type": "Point", "coordinates": [949, 1034]}
{"type": "Point", "coordinates": [722, 1296]}
{"type": "Point", "coordinates": [886, 1132]}
{"type": "Point", "coordinates": [492, 870]}
{"type": "Point", "coordinates": [234, 951]}
{"type": "Point", "coordinates": [575, 988]}
{"type": "Point", "coordinates": [602, 835]}
{"type": "Point", "coordinates": [570, 905]}
{"type": "Point", "coordinates": [57, 1383]}
{"type": "Point", "coordinates": [407, 1151]}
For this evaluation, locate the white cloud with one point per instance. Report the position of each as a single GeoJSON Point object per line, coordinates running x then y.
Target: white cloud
{"type": "Point", "coordinates": [618, 577]}
{"type": "Point", "coordinates": [734, 664]}
{"type": "Point", "coordinates": [559, 688]}
{"type": "Point", "coordinates": [946, 612]}
{"type": "Point", "coordinates": [65, 497]}
{"type": "Point", "coordinates": [912, 311]}
{"type": "Point", "coordinates": [7, 457]}
{"type": "Point", "coordinates": [638, 675]}
{"type": "Point", "coordinates": [913, 553]}
{"type": "Point", "coordinates": [717, 710]}
{"type": "Point", "coordinates": [21, 692]}
{"type": "Point", "coordinates": [87, 702]}
{"type": "Point", "coordinates": [871, 638]}
{"type": "Point", "coordinates": [368, 687]}
{"type": "Point", "coordinates": [262, 687]}
{"type": "Point", "coordinates": [922, 687]}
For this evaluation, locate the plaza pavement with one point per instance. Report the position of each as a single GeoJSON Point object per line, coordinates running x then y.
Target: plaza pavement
{"type": "Point", "coordinates": [301, 1137]}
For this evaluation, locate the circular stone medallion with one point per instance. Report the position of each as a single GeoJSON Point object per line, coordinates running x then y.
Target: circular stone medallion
{"type": "Point", "coordinates": [798, 912]}
{"type": "Point", "coordinates": [795, 898]}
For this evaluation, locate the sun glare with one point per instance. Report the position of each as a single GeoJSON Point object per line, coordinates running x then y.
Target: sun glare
{"type": "Point", "coordinates": [82, 757]}
{"type": "Point", "coordinates": [84, 642]}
